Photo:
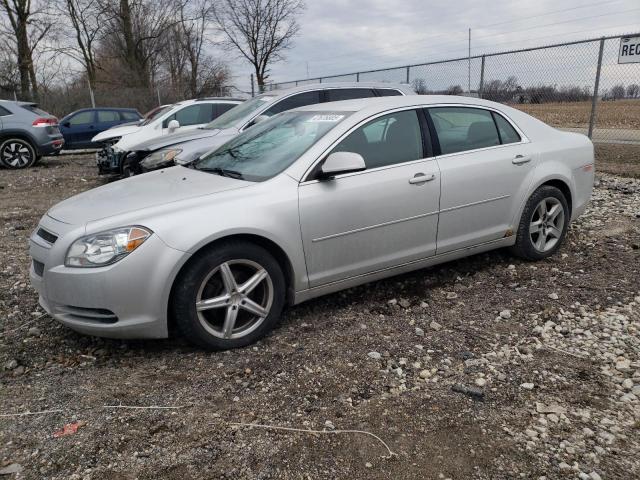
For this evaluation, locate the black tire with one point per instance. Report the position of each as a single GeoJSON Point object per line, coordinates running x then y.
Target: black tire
{"type": "Point", "coordinates": [197, 277]}
{"type": "Point", "coordinates": [17, 153]}
{"type": "Point", "coordinates": [528, 244]}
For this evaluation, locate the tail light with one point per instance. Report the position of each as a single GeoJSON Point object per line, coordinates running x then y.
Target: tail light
{"type": "Point", "coordinates": [45, 122]}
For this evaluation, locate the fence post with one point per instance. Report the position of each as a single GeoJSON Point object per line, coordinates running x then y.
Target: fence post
{"type": "Point", "coordinates": [408, 75]}
{"type": "Point", "coordinates": [358, 77]}
{"type": "Point", "coordinates": [253, 88]}
{"type": "Point", "coordinates": [594, 100]}
{"type": "Point", "coordinates": [481, 86]}
{"type": "Point", "coordinates": [320, 80]}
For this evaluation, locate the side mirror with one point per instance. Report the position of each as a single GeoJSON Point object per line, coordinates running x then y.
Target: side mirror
{"type": "Point", "coordinates": [173, 126]}
{"type": "Point", "coordinates": [342, 162]}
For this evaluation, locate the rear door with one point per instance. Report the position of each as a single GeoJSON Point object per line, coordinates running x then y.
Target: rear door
{"type": "Point", "coordinates": [382, 217]}
{"type": "Point", "coordinates": [484, 163]}
{"type": "Point", "coordinates": [107, 119]}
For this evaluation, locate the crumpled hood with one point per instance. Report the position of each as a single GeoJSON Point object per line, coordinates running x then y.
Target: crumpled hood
{"type": "Point", "coordinates": [118, 131]}
{"type": "Point", "coordinates": [180, 137]}
{"type": "Point", "coordinates": [143, 191]}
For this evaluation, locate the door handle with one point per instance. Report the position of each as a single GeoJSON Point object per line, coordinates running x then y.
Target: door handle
{"type": "Point", "coordinates": [520, 159]}
{"type": "Point", "coordinates": [421, 178]}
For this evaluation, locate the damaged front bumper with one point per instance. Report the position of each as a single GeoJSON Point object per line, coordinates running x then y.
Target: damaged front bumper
{"type": "Point", "coordinates": [109, 160]}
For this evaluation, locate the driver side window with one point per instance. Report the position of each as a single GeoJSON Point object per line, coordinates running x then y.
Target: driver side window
{"type": "Point", "coordinates": [387, 140]}
{"type": "Point", "coordinates": [295, 101]}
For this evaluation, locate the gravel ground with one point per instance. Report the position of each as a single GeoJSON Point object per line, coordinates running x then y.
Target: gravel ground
{"type": "Point", "coordinates": [488, 367]}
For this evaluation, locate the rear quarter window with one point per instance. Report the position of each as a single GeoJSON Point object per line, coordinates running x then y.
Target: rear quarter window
{"type": "Point", "coordinates": [36, 110]}
{"type": "Point", "coordinates": [508, 134]}
{"type": "Point", "coordinates": [4, 112]}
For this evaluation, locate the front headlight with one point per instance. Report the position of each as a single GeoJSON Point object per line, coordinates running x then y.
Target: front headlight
{"type": "Point", "coordinates": [105, 248]}
{"type": "Point", "coordinates": [160, 157]}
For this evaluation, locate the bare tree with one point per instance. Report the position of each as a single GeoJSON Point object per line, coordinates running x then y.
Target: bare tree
{"type": "Point", "coordinates": [29, 24]}
{"type": "Point", "coordinates": [87, 18]}
{"type": "Point", "coordinates": [617, 92]}
{"type": "Point", "coordinates": [633, 90]}
{"type": "Point", "coordinates": [260, 30]}
{"type": "Point", "coordinates": [134, 32]}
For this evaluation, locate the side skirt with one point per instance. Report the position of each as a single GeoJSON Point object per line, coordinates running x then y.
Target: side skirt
{"type": "Point", "coordinates": [308, 294]}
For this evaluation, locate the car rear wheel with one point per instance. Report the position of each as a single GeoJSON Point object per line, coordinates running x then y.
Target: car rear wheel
{"type": "Point", "coordinates": [543, 224]}
{"type": "Point", "coordinates": [17, 153]}
{"type": "Point", "coordinates": [229, 296]}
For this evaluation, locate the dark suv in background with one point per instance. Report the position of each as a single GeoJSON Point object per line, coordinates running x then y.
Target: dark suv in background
{"type": "Point", "coordinates": [81, 126]}
{"type": "Point", "coordinates": [26, 134]}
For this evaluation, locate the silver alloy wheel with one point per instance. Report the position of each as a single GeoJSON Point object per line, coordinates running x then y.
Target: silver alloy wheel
{"type": "Point", "coordinates": [16, 154]}
{"type": "Point", "coordinates": [234, 299]}
{"type": "Point", "coordinates": [547, 223]}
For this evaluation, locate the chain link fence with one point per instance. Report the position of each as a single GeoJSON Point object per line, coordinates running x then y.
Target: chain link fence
{"type": "Point", "coordinates": [576, 86]}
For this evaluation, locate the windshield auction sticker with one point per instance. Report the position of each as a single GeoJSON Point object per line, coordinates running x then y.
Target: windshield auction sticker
{"type": "Point", "coordinates": [326, 118]}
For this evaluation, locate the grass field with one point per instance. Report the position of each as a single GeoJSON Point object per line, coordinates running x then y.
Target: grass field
{"type": "Point", "coordinates": [611, 114]}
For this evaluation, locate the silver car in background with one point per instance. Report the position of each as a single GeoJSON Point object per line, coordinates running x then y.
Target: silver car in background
{"type": "Point", "coordinates": [185, 147]}
{"type": "Point", "coordinates": [309, 202]}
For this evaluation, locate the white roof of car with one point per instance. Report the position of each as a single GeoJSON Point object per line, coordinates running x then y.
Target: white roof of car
{"type": "Point", "coordinates": [406, 89]}
{"type": "Point", "coordinates": [384, 103]}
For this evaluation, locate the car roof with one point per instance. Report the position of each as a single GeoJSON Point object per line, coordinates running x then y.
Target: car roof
{"type": "Point", "coordinates": [404, 88]}
{"type": "Point", "coordinates": [209, 100]}
{"type": "Point", "coordinates": [385, 103]}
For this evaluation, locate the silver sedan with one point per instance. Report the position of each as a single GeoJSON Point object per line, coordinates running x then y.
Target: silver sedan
{"type": "Point", "coordinates": [309, 202]}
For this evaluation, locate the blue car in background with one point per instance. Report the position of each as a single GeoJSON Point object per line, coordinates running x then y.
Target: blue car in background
{"type": "Point", "coordinates": [79, 127]}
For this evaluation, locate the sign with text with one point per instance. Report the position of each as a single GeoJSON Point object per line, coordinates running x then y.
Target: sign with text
{"type": "Point", "coordinates": [629, 50]}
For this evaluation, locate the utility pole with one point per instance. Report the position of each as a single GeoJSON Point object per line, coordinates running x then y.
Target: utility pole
{"type": "Point", "coordinates": [158, 90]}
{"type": "Point", "coordinates": [469, 72]}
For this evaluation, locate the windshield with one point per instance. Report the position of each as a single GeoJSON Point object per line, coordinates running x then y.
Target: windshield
{"type": "Point", "coordinates": [153, 114]}
{"type": "Point", "coordinates": [271, 146]}
{"type": "Point", "coordinates": [229, 118]}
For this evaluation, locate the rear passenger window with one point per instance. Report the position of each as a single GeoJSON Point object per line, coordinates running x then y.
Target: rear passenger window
{"type": "Point", "coordinates": [295, 101]}
{"type": "Point", "coordinates": [464, 128]}
{"type": "Point", "coordinates": [221, 108]}
{"type": "Point", "coordinates": [387, 140]}
{"type": "Point", "coordinates": [508, 134]}
{"type": "Point", "coordinates": [4, 112]}
{"type": "Point", "coordinates": [387, 92]}
{"type": "Point", "coordinates": [108, 116]}
{"type": "Point", "coordinates": [337, 94]}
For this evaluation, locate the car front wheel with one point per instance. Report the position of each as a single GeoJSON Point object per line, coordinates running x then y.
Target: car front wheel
{"type": "Point", "coordinates": [16, 153]}
{"type": "Point", "coordinates": [543, 224]}
{"type": "Point", "coordinates": [229, 296]}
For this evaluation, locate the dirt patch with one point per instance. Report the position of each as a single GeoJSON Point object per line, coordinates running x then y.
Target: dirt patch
{"type": "Point", "coordinates": [611, 114]}
{"type": "Point", "coordinates": [381, 358]}
{"type": "Point", "coordinates": [618, 159]}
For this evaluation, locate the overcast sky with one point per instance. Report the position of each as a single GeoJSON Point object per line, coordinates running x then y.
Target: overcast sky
{"type": "Point", "coordinates": [342, 36]}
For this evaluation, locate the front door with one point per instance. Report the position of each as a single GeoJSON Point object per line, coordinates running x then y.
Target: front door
{"type": "Point", "coordinates": [484, 164]}
{"type": "Point", "coordinates": [382, 217]}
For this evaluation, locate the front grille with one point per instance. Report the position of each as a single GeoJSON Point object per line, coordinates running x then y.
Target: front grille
{"type": "Point", "coordinates": [47, 236]}
{"type": "Point", "coordinates": [38, 267]}
{"type": "Point", "coordinates": [96, 315]}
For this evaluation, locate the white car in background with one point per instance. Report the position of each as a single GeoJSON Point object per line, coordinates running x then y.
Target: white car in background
{"type": "Point", "coordinates": [179, 117]}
